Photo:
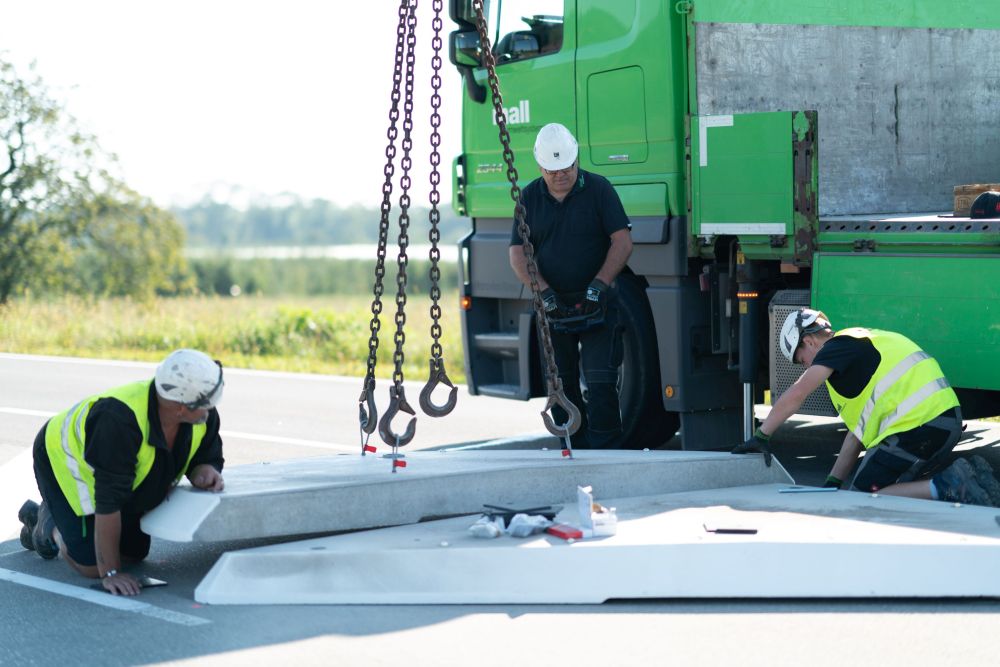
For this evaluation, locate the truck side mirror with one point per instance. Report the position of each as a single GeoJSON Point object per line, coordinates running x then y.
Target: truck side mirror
{"type": "Point", "coordinates": [466, 53]}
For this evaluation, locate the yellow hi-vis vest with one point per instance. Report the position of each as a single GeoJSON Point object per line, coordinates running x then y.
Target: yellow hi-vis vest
{"type": "Point", "coordinates": [907, 389]}
{"type": "Point", "coordinates": [65, 437]}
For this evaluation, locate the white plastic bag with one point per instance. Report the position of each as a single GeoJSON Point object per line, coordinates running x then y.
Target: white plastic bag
{"type": "Point", "coordinates": [486, 527]}
{"type": "Point", "coordinates": [523, 525]}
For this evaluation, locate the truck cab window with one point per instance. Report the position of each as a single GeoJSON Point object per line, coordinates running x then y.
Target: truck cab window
{"type": "Point", "coordinates": [525, 28]}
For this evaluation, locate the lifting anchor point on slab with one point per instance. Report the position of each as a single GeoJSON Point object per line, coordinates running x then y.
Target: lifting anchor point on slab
{"type": "Point", "coordinates": [397, 403]}
{"type": "Point", "coordinates": [437, 376]}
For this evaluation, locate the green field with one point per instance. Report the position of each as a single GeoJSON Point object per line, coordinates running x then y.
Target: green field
{"type": "Point", "coordinates": [326, 335]}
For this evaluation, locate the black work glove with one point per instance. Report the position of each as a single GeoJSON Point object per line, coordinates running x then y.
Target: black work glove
{"type": "Point", "coordinates": [833, 482]}
{"type": "Point", "coordinates": [757, 443]}
{"type": "Point", "coordinates": [550, 301]}
{"type": "Point", "coordinates": [597, 293]}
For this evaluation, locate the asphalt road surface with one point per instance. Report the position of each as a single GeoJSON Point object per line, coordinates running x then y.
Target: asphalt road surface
{"type": "Point", "coordinates": [49, 616]}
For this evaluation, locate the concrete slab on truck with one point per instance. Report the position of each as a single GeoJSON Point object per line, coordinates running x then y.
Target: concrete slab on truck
{"type": "Point", "coordinates": [349, 492]}
{"type": "Point", "coordinates": [840, 544]}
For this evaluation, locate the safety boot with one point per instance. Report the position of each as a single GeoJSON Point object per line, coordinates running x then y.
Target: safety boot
{"type": "Point", "coordinates": [28, 515]}
{"type": "Point", "coordinates": [42, 534]}
{"type": "Point", "coordinates": [957, 483]}
{"type": "Point", "coordinates": [986, 478]}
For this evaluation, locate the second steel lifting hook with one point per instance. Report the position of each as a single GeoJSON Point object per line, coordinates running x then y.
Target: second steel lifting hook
{"type": "Point", "coordinates": [397, 403]}
{"type": "Point", "coordinates": [437, 376]}
{"type": "Point", "coordinates": [558, 397]}
{"type": "Point", "coordinates": [369, 418]}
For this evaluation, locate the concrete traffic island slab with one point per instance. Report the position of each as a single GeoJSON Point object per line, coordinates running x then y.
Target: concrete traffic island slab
{"type": "Point", "coordinates": [339, 493]}
{"type": "Point", "coordinates": [839, 545]}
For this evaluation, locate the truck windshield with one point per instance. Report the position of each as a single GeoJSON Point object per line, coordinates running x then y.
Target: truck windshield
{"type": "Point", "coordinates": [524, 28]}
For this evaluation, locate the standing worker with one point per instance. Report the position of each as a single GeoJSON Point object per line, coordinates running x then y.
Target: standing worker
{"type": "Point", "coordinates": [898, 407]}
{"type": "Point", "coordinates": [581, 239]}
{"type": "Point", "coordinates": [114, 456]}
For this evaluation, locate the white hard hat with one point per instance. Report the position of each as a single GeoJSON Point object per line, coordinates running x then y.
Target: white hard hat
{"type": "Point", "coordinates": [555, 147]}
{"type": "Point", "coordinates": [190, 377]}
{"type": "Point", "coordinates": [797, 324]}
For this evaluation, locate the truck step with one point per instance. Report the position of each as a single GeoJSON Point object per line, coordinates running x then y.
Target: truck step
{"type": "Point", "coordinates": [504, 345]}
{"type": "Point", "coordinates": [501, 390]}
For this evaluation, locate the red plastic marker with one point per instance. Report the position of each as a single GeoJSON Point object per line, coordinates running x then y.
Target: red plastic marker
{"type": "Point", "coordinates": [565, 531]}
{"type": "Point", "coordinates": [566, 452]}
{"type": "Point", "coordinates": [370, 449]}
{"type": "Point", "coordinates": [398, 463]}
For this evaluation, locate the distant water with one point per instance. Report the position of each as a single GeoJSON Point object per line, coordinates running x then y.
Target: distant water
{"type": "Point", "coordinates": [449, 252]}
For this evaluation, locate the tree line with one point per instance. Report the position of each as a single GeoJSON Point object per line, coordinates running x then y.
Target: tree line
{"type": "Point", "coordinates": [299, 222]}
{"type": "Point", "coordinates": [69, 224]}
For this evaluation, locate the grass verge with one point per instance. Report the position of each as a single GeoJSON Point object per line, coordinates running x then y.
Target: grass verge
{"type": "Point", "coordinates": [326, 335]}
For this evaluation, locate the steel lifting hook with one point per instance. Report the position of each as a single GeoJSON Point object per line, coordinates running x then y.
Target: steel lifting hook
{"type": "Point", "coordinates": [437, 376]}
{"type": "Point", "coordinates": [572, 424]}
{"type": "Point", "coordinates": [368, 419]}
{"type": "Point", "coordinates": [397, 403]}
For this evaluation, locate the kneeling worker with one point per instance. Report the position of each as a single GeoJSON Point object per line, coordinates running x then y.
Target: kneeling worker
{"type": "Point", "coordinates": [895, 401]}
{"type": "Point", "coordinates": [112, 457]}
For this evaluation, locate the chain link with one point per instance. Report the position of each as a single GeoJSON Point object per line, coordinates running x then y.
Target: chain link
{"type": "Point", "coordinates": [406, 163]}
{"type": "Point", "coordinates": [553, 382]}
{"type": "Point", "coordinates": [435, 196]}
{"type": "Point", "coordinates": [368, 420]}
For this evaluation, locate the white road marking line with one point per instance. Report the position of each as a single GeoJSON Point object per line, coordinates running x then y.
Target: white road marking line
{"type": "Point", "coordinates": [152, 365]}
{"type": "Point", "coordinates": [285, 441]}
{"type": "Point", "coordinates": [313, 377]}
{"type": "Point", "coordinates": [103, 599]}
{"type": "Point", "coordinates": [27, 412]}
{"type": "Point", "coordinates": [277, 439]}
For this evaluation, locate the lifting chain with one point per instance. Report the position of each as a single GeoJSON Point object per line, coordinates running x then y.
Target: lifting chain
{"type": "Point", "coordinates": [397, 395]}
{"type": "Point", "coordinates": [554, 384]}
{"type": "Point", "coordinates": [368, 416]}
{"type": "Point", "coordinates": [437, 373]}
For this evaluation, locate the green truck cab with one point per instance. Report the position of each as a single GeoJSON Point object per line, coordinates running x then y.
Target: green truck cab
{"type": "Point", "coordinates": [770, 155]}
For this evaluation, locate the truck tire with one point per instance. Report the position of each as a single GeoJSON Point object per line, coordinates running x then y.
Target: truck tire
{"type": "Point", "coordinates": [645, 424]}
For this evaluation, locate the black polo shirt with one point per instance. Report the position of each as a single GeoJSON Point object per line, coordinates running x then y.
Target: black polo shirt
{"type": "Point", "coordinates": [853, 361]}
{"type": "Point", "coordinates": [112, 448]}
{"type": "Point", "coordinates": [571, 238]}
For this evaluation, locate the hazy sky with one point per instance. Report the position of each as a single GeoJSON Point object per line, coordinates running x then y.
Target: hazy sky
{"type": "Point", "coordinates": [289, 96]}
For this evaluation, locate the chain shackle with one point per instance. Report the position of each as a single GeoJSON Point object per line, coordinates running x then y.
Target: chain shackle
{"type": "Point", "coordinates": [553, 383]}
{"type": "Point", "coordinates": [366, 406]}
{"type": "Point", "coordinates": [397, 404]}
{"type": "Point", "coordinates": [438, 376]}
{"type": "Point", "coordinates": [558, 397]}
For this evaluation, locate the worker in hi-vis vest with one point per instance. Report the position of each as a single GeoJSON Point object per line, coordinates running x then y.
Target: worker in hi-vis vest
{"type": "Point", "coordinates": [114, 456]}
{"type": "Point", "coordinates": [896, 403]}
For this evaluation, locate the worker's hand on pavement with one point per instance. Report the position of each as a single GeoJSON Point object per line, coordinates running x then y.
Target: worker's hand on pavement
{"type": "Point", "coordinates": [757, 443]}
{"type": "Point", "coordinates": [833, 483]}
{"type": "Point", "coordinates": [121, 583]}
{"type": "Point", "coordinates": [206, 477]}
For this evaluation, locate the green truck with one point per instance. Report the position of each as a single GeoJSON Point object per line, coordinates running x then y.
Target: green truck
{"type": "Point", "coordinates": [770, 154]}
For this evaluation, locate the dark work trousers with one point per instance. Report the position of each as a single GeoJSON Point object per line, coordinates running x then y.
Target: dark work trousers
{"type": "Point", "coordinates": [910, 455]}
{"type": "Point", "coordinates": [599, 352]}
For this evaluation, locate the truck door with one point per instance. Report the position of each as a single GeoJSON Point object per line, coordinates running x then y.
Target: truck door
{"type": "Point", "coordinates": [534, 44]}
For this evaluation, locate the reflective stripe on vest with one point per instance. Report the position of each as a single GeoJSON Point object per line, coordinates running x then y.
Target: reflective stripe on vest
{"type": "Point", "coordinates": [65, 438]}
{"type": "Point", "coordinates": [907, 389]}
